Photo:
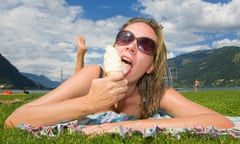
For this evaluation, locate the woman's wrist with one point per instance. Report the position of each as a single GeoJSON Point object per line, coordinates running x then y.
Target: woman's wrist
{"type": "Point", "coordinates": [84, 107]}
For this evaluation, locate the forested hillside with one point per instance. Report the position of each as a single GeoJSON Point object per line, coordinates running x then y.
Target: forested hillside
{"type": "Point", "coordinates": [214, 68]}
{"type": "Point", "coordinates": [11, 78]}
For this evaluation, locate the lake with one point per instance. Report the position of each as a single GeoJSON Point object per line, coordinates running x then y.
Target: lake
{"type": "Point", "coordinates": [178, 89]}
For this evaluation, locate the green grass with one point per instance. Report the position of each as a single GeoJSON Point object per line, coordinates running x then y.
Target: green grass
{"type": "Point", "coordinates": [225, 102]}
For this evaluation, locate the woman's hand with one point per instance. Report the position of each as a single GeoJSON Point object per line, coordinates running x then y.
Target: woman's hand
{"type": "Point", "coordinates": [98, 129]}
{"type": "Point", "coordinates": [113, 127]}
{"type": "Point", "coordinates": [101, 129]}
{"type": "Point", "coordinates": [107, 91]}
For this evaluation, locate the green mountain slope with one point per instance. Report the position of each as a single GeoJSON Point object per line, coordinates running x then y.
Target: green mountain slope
{"type": "Point", "coordinates": [214, 68]}
{"type": "Point", "coordinates": [11, 78]}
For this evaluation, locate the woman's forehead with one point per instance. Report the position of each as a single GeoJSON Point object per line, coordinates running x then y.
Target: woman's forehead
{"type": "Point", "coordinates": [141, 29]}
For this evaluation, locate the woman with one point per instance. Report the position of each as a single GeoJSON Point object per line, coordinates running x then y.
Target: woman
{"type": "Point", "coordinates": [138, 92]}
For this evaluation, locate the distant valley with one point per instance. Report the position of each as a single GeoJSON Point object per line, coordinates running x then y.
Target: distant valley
{"type": "Point", "coordinates": [43, 80]}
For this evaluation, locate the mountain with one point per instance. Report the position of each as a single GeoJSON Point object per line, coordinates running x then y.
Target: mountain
{"type": "Point", "coordinates": [11, 78]}
{"type": "Point", "coordinates": [43, 80]}
{"type": "Point", "coordinates": [214, 68]}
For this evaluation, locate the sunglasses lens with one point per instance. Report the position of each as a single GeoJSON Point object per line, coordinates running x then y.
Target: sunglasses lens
{"type": "Point", "coordinates": [146, 45]}
{"type": "Point", "coordinates": [124, 37]}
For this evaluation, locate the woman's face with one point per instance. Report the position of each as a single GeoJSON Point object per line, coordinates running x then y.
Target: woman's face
{"type": "Point", "coordinates": [135, 62]}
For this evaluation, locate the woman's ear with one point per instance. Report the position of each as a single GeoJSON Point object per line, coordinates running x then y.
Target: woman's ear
{"type": "Point", "coordinates": [151, 68]}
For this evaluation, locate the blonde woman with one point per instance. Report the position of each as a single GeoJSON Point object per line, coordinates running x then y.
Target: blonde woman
{"type": "Point", "coordinates": [138, 91]}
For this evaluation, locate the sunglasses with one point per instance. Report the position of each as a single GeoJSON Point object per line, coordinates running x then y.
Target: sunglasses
{"type": "Point", "coordinates": [144, 44]}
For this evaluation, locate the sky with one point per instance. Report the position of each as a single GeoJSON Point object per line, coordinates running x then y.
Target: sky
{"type": "Point", "coordinates": [39, 36]}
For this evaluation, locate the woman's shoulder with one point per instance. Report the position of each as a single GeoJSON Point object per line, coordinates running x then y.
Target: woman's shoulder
{"type": "Point", "coordinates": [171, 92]}
{"type": "Point", "coordinates": [171, 100]}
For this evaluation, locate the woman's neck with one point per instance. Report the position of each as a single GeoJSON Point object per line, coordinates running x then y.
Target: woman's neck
{"type": "Point", "coordinates": [131, 103]}
{"type": "Point", "coordinates": [131, 91]}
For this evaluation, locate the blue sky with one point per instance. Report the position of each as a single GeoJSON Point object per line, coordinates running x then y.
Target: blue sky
{"type": "Point", "coordinates": [38, 36]}
{"type": "Point", "coordinates": [105, 8]}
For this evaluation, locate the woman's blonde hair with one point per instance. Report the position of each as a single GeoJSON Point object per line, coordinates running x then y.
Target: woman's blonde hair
{"type": "Point", "coordinates": [150, 86]}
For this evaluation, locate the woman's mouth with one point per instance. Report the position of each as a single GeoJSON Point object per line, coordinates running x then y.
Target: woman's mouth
{"type": "Point", "coordinates": [127, 65]}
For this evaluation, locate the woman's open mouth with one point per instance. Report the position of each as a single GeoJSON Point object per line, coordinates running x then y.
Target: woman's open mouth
{"type": "Point", "coordinates": [127, 65]}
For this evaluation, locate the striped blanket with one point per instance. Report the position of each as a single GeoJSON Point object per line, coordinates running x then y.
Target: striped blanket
{"type": "Point", "coordinates": [109, 117]}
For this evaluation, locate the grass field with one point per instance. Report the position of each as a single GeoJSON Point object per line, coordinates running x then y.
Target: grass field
{"type": "Point", "coordinates": [225, 102]}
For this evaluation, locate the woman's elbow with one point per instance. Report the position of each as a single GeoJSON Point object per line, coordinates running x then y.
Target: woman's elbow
{"type": "Point", "coordinates": [10, 122]}
{"type": "Point", "coordinates": [13, 120]}
{"type": "Point", "coordinates": [226, 123]}
{"type": "Point", "coordinates": [229, 124]}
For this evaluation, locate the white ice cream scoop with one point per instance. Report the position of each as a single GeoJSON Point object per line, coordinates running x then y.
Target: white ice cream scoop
{"type": "Point", "coordinates": [112, 61]}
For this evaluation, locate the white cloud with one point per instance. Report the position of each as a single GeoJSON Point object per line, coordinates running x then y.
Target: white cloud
{"type": "Point", "coordinates": [195, 14]}
{"type": "Point", "coordinates": [187, 49]}
{"type": "Point", "coordinates": [226, 42]}
{"type": "Point", "coordinates": [238, 33]}
{"type": "Point", "coordinates": [183, 21]}
{"type": "Point", "coordinates": [39, 36]}
{"type": "Point", "coordinates": [36, 35]}
{"type": "Point", "coordinates": [170, 55]}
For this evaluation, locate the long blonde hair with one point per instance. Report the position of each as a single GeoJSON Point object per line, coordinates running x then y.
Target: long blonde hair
{"type": "Point", "coordinates": [150, 86]}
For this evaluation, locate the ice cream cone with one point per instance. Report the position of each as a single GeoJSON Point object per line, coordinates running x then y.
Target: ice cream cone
{"type": "Point", "coordinates": [112, 63]}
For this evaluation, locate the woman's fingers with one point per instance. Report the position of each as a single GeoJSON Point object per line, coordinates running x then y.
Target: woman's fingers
{"type": "Point", "coordinates": [115, 76]}
{"type": "Point", "coordinates": [98, 129]}
{"type": "Point", "coordinates": [93, 130]}
{"type": "Point", "coordinates": [104, 93]}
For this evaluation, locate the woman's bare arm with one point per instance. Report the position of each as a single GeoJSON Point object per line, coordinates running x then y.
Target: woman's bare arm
{"type": "Point", "coordinates": [63, 103]}
{"type": "Point", "coordinates": [76, 86]}
{"type": "Point", "coordinates": [186, 114]}
{"type": "Point", "coordinates": [204, 120]}
{"type": "Point", "coordinates": [81, 95]}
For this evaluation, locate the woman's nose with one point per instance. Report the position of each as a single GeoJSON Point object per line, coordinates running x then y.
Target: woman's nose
{"type": "Point", "coordinates": [132, 47]}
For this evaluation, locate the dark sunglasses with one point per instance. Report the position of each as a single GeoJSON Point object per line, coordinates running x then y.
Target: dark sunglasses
{"type": "Point", "coordinates": [144, 44]}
